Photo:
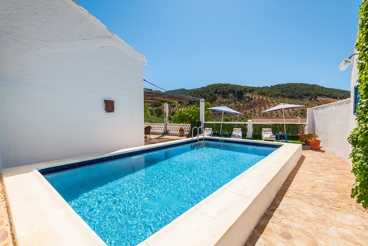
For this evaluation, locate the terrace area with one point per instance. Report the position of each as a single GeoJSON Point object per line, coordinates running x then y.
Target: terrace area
{"type": "Point", "coordinates": [313, 207]}
{"type": "Point", "coordinates": [92, 102]}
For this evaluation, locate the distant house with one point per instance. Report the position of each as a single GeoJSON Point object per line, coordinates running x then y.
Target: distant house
{"type": "Point", "coordinates": [58, 65]}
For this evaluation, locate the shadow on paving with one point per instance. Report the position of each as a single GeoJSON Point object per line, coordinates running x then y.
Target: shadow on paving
{"type": "Point", "coordinates": [265, 219]}
{"type": "Point", "coordinates": [307, 147]}
{"type": "Point", "coordinates": [154, 139]}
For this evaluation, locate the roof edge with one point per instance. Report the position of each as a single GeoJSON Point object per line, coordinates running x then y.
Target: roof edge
{"type": "Point", "coordinates": [142, 57]}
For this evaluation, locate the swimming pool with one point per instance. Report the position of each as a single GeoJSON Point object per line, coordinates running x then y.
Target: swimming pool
{"type": "Point", "coordinates": [126, 200]}
{"type": "Point", "coordinates": [227, 217]}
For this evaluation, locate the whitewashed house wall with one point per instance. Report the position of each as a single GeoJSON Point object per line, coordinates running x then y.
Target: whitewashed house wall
{"type": "Point", "coordinates": [57, 66]}
{"type": "Point", "coordinates": [332, 125]}
{"type": "Point", "coordinates": [334, 122]}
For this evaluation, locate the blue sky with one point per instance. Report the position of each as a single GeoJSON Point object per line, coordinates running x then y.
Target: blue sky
{"type": "Point", "coordinates": [193, 43]}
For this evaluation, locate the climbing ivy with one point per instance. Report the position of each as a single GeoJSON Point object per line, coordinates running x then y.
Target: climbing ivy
{"type": "Point", "coordinates": [359, 136]}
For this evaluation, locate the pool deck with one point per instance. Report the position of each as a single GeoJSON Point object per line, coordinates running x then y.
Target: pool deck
{"type": "Point", "coordinates": [313, 207]}
{"type": "Point", "coordinates": [6, 236]}
{"type": "Point", "coordinates": [155, 138]}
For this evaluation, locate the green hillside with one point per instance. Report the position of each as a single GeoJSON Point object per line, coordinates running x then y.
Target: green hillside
{"type": "Point", "coordinates": [302, 91]}
{"type": "Point", "coordinates": [181, 91]}
{"type": "Point", "coordinates": [252, 100]}
{"type": "Point", "coordinates": [299, 91]}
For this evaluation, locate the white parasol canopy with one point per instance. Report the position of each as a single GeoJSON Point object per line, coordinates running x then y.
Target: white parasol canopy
{"type": "Point", "coordinates": [224, 109]}
{"type": "Point", "coordinates": [283, 106]}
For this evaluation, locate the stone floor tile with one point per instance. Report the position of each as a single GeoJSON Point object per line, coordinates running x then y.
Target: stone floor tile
{"type": "Point", "coordinates": [6, 236]}
{"type": "Point", "coordinates": [314, 206]}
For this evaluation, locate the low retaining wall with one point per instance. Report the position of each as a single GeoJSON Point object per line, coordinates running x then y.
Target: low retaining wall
{"type": "Point", "coordinates": [172, 128]}
{"type": "Point", "coordinates": [333, 124]}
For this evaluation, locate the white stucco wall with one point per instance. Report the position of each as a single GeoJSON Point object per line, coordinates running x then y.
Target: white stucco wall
{"type": "Point", "coordinates": [57, 65]}
{"type": "Point", "coordinates": [333, 127]}
{"type": "Point", "coordinates": [334, 122]}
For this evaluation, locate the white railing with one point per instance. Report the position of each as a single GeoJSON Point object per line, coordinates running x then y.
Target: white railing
{"type": "Point", "coordinates": [250, 124]}
{"type": "Point", "coordinates": [257, 123]}
{"type": "Point", "coordinates": [172, 128]}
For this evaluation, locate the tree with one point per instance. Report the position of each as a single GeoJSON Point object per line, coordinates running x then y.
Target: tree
{"type": "Point", "coordinates": [226, 119]}
{"type": "Point", "coordinates": [240, 95]}
{"type": "Point", "coordinates": [147, 110]}
{"type": "Point", "coordinates": [159, 111]}
{"type": "Point", "coordinates": [191, 114]}
{"type": "Point", "coordinates": [213, 98]}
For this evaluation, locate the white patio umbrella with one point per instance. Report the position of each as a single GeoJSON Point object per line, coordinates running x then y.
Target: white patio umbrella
{"type": "Point", "coordinates": [224, 109]}
{"type": "Point", "coordinates": [283, 106]}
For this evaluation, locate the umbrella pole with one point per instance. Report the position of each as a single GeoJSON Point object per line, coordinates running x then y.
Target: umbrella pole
{"type": "Point", "coordinates": [222, 118]}
{"type": "Point", "coordinates": [283, 116]}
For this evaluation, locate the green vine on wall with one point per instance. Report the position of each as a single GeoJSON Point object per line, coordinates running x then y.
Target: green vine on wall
{"type": "Point", "coordinates": [359, 137]}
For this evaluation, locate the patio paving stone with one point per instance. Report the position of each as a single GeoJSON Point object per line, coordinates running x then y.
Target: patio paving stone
{"type": "Point", "coordinates": [6, 237]}
{"type": "Point", "coordinates": [314, 206]}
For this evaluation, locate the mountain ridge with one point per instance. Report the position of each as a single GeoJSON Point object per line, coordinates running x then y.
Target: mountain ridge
{"type": "Point", "coordinates": [264, 90]}
{"type": "Point", "coordinates": [253, 100]}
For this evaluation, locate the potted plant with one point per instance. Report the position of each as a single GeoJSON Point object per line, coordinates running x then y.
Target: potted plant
{"type": "Point", "coordinates": [307, 137]}
{"type": "Point", "coordinates": [181, 131]}
{"type": "Point", "coordinates": [314, 142]}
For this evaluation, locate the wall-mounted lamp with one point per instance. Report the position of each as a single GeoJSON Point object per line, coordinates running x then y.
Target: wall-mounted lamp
{"type": "Point", "coordinates": [346, 62]}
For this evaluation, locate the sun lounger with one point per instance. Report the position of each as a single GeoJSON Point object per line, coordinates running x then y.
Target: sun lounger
{"type": "Point", "coordinates": [208, 132]}
{"type": "Point", "coordinates": [267, 134]}
{"type": "Point", "coordinates": [237, 133]}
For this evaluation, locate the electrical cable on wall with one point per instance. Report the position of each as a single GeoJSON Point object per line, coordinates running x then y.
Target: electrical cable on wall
{"type": "Point", "coordinates": [153, 84]}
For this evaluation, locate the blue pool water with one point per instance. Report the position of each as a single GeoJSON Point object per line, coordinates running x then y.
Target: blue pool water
{"type": "Point", "coordinates": [127, 200]}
